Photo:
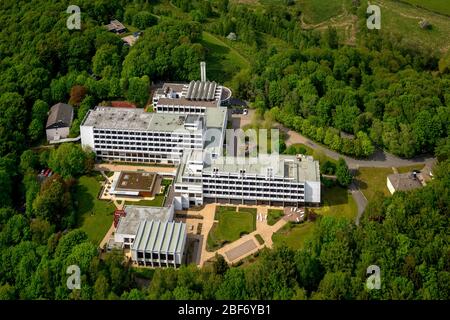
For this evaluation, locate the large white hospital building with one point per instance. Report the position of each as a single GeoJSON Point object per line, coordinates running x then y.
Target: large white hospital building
{"type": "Point", "coordinates": [180, 129]}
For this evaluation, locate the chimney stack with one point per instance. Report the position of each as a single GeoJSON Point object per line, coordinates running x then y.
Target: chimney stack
{"type": "Point", "coordinates": [203, 71]}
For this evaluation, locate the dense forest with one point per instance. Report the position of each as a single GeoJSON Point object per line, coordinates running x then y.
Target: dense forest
{"type": "Point", "coordinates": [380, 94]}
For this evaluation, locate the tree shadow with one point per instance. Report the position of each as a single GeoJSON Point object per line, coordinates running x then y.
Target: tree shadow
{"type": "Point", "coordinates": [84, 203]}
{"type": "Point", "coordinates": [335, 199]}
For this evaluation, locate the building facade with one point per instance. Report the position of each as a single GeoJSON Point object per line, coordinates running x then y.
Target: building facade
{"type": "Point", "coordinates": [159, 244]}
{"type": "Point", "coordinates": [59, 121]}
{"type": "Point", "coordinates": [133, 135]}
{"type": "Point", "coordinates": [193, 98]}
{"type": "Point", "coordinates": [287, 181]}
{"type": "Point", "coordinates": [128, 224]}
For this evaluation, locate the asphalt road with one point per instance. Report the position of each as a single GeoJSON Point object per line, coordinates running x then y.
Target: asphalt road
{"type": "Point", "coordinates": [380, 159]}
{"type": "Point", "coordinates": [360, 200]}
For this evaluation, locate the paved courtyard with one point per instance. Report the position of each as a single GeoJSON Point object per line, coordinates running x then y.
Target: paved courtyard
{"type": "Point", "coordinates": [241, 250]}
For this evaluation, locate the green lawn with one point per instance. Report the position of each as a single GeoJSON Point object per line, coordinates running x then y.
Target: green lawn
{"type": "Point", "coordinates": [371, 180]}
{"type": "Point", "coordinates": [222, 61]}
{"type": "Point", "coordinates": [231, 226]}
{"type": "Point", "coordinates": [403, 20]}
{"type": "Point", "coordinates": [273, 215]}
{"type": "Point", "coordinates": [259, 238]}
{"type": "Point", "coordinates": [250, 210]}
{"type": "Point", "coordinates": [293, 235]}
{"type": "Point", "coordinates": [439, 6]}
{"type": "Point", "coordinates": [337, 202]}
{"type": "Point", "coordinates": [316, 11]}
{"type": "Point", "coordinates": [157, 202]}
{"type": "Point", "coordinates": [410, 168]}
{"type": "Point", "coordinates": [94, 216]}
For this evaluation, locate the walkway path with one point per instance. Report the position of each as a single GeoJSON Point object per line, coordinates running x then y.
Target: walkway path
{"type": "Point", "coordinates": [244, 246]}
{"type": "Point", "coordinates": [360, 199]}
{"type": "Point", "coordinates": [107, 236]}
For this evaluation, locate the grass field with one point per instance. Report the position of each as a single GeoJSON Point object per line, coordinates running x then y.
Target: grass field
{"type": "Point", "coordinates": [438, 6]}
{"type": "Point", "coordinates": [316, 11]}
{"type": "Point", "coordinates": [293, 236]}
{"type": "Point", "coordinates": [403, 20]}
{"type": "Point", "coordinates": [371, 180]}
{"type": "Point", "coordinates": [94, 216]}
{"type": "Point", "coordinates": [273, 215]}
{"type": "Point", "coordinates": [259, 238]}
{"type": "Point", "coordinates": [158, 201]}
{"type": "Point", "coordinates": [222, 62]}
{"type": "Point", "coordinates": [231, 226]}
{"type": "Point", "coordinates": [337, 202]}
{"type": "Point", "coordinates": [410, 168]}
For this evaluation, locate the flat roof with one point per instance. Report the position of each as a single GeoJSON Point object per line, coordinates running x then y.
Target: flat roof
{"type": "Point", "coordinates": [160, 236]}
{"type": "Point", "coordinates": [177, 87]}
{"type": "Point", "coordinates": [135, 181]}
{"type": "Point", "coordinates": [133, 119]}
{"type": "Point", "coordinates": [215, 117]}
{"type": "Point", "coordinates": [284, 166]}
{"type": "Point", "coordinates": [135, 214]}
{"type": "Point", "coordinates": [196, 94]}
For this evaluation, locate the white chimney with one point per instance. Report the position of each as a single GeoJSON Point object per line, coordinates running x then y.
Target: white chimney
{"type": "Point", "coordinates": [203, 71]}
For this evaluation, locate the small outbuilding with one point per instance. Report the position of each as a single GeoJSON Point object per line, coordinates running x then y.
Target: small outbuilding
{"type": "Point", "coordinates": [232, 36]}
{"type": "Point", "coordinates": [59, 121]}
{"type": "Point", "coordinates": [137, 184]}
{"type": "Point", "coordinates": [425, 24]}
{"type": "Point", "coordinates": [403, 182]}
{"type": "Point", "coordinates": [116, 26]}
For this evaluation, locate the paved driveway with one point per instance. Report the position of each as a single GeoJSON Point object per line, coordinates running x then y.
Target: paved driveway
{"type": "Point", "coordinates": [360, 200]}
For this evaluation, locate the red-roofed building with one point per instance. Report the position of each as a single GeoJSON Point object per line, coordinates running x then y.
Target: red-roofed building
{"type": "Point", "coordinates": [122, 104]}
{"type": "Point", "coordinates": [117, 215]}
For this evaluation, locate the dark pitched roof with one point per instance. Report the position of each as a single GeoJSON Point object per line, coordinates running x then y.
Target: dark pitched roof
{"type": "Point", "coordinates": [404, 181]}
{"type": "Point", "coordinates": [60, 115]}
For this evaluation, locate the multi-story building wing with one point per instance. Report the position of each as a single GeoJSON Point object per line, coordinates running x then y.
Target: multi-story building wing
{"type": "Point", "coordinates": [193, 98]}
{"type": "Point", "coordinates": [159, 244]}
{"type": "Point", "coordinates": [286, 180]}
{"type": "Point", "coordinates": [133, 135]}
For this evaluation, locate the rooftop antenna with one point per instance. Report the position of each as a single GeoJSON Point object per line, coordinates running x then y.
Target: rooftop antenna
{"type": "Point", "coordinates": [203, 71]}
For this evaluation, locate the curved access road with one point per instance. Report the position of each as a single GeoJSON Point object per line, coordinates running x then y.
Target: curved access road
{"type": "Point", "coordinates": [380, 159]}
